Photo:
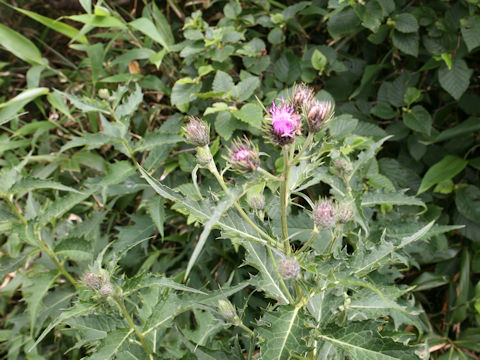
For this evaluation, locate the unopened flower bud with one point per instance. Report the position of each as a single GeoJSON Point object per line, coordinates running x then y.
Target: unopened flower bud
{"type": "Point", "coordinates": [256, 202]}
{"type": "Point", "coordinates": [285, 123]}
{"type": "Point", "coordinates": [318, 114]}
{"type": "Point", "coordinates": [106, 289]}
{"type": "Point", "coordinates": [324, 214]}
{"type": "Point", "coordinates": [204, 156]}
{"type": "Point", "coordinates": [104, 94]}
{"type": "Point", "coordinates": [227, 310]}
{"type": "Point", "coordinates": [343, 166]}
{"type": "Point", "coordinates": [302, 95]}
{"type": "Point", "coordinates": [289, 268]}
{"type": "Point", "coordinates": [244, 156]}
{"type": "Point", "coordinates": [344, 213]}
{"type": "Point", "coordinates": [93, 281]}
{"type": "Point", "coordinates": [197, 132]}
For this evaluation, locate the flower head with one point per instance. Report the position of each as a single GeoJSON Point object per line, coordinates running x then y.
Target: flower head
{"type": "Point", "coordinates": [324, 213]}
{"type": "Point", "coordinates": [289, 268]}
{"type": "Point", "coordinates": [344, 213]}
{"type": "Point", "coordinates": [256, 202]}
{"type": "Point", "coordinates": [93, 281]}
{"type": "Point", "coordinates": [319, 112]}
{"type": "Point", "coordinates": [227, 310]}
{"type": "Point", "coordinates": [302, 95]}
{"type": "Point", "coordinates": [197, 132]}
{"type": "Point", "coordinates": [243, 155]}
{"type": "Point", "coordinates": [285, 123]}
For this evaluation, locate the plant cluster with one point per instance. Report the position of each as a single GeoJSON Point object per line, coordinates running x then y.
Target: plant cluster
{"type": "Point", "coordinates": [239, 180]}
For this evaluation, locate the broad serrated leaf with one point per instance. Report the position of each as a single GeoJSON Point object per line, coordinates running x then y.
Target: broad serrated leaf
{"type": "Point", "coordinates": [468, 202]}
{"type": "Point", "coordinates": [155, 207]}
{"type": "Point", "coordinates": [267, 279]}
{"type": "Point", "coordinates": [471, 31]}
{"type": "Point", "coordinates": [222, 83]}
{"type": "Point", "coordinates": [406, 23]}
{"type": "Point", "coordinates": [455, 80]}
{"type": "Point", "coordinates": [111, 344]}
{"type": "Point", "coordinates": [407, 43]}
{"type": "Point", "coordinates": [283, 333]}
{"type": "Point", "coordinates": [362, 341]}
{"type": "Point", "coordinates": [251, 114]}
{"type": "Point", "coordinates": [396, 198]}
{"type": "Point", "coordinates": [418, 119]}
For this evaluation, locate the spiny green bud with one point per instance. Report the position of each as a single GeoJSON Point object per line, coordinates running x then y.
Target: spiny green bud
{"type": "Point", "coordinates": [344, 213]}
{"type": "Point", "coordinates": [197, 132]}
{"type": "Point", "coordinates": [227, 310]}
{"type": "Point", "coordinates": [324, 214]}
{"type": "Point", "coordinates": [256, 202]}
{"type": "Point", "coordinates": [289, 268]}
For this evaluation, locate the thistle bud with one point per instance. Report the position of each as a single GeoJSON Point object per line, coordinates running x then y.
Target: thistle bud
{"type": "Point", "coordinates": [244, 156]}
{"type": "Point", "coordinates": [342, 166]}
{"type": "Point", "coordinates": [324, 214]}
{"type": "Point", "coordinates": [93, 281]}
{"type": "Point", "coordinates": [318, 114]}
{"type": "Point", "coordinates": [344, 213]}
{"type": "Point", "coordinates": [302, 95]}
{"type": "Point", "coordinates": [197, 132]}
{"type": "Point", "coordinates": [289, 268]}
{"type": "Point", "coordinates": [106, 289]}
{"type": "Point", "coordinates": [256, 202]}
{"type": "Point", "coordinates": [227, 310]}
{"type": "Point", "coordinates": [104, 94]}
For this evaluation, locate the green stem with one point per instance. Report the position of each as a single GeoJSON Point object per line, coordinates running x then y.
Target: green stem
{"type": "Point", "coordinates": [309, 241]}
{"type": "Point", "coordinates": [334, 239]}
{"type": "Point", "coordinates": [141, 338]}
{"type": "Point", "coordinates": [304, 147]}
{"type": "Point", "coordinates": [242, 325]}
{"type": "Point", "coordinates": [284, 195]}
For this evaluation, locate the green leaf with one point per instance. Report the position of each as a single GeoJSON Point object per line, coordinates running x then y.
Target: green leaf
{"type": "Point", "coordinates": [34, 290]}
{"type": "Point", "coordinates": [283, 333]}
{"type": "Point", "coordinates": [287, 67]}
{"type": "Point", "coordinates": [111, 344]}
{"type": "Point", "coordinates": [406, 23]}
{"type": "Point", "coordinates": [35, 184]}
{"type": "Point", "coordinates": [418, 119]}
{"type": "Point", "coordinates": [222, 83]}
{"type": "Point", "coordinates": [456, 80]}
{"type": "Point", "coordinates": [469, 126]}
{"type": "Point", "coordinates": [443, 170]}
{"type": "Point", "coordinates": [407, 43]}
{"type": "Point", "coordinates": [459, 314]}
{"type": "Point", "coordinates": [245, 88]}
{"type": "Point", "coordinates": [98, 21]}
{"type": "Point", "coordinates": [467, 200]}
{"type": "Point", "coordinates": [183, 93]}
{"type": "Point", "coordinates": [19, 46]}
{"type": "Point", "coordinates": [276, 36]}
{"type": "Point", "coordinates": [363, 342]}
{"type": "Point", "coordinates": [74, 249]}
{"type": "Point", "coordinates": [469, 339]}
{"type": "Point", "coordinates": [217, 212]}
{"type": "Point", "coordinates": [319, 61]}
{"type": "Point", "coordinates": [267, 278]}
{"type": "Point", "coordinates": [163, 282]}
{"type": "Point", "coordinates": [343, 23]}
{"type": "Point", "coordinates": [26, 96]}
{"type": "Point", "coordinates": [155, 207]}
{"type": "Point", "coordinates": [471, 31]}
{"type": "Point", "coordinates": [56, 25]}
{"type": "Point", "coordinates": [147, 27]}
{"type": "Point", "coordinates": [398, 198]}
{"type": "Point", "coordinates": [384, 111]}
{"type": "Point", "coordinates": [251, 114]}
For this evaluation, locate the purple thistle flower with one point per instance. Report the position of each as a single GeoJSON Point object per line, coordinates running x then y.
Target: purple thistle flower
{"type": "Point", "coordinates": [324, 214]}
{"type": "Point", "coordinates": [319, 113]}
{"type": "Point", "coordinates": [286, 124]}
{"type": "Point", "coordinates": [244, 156]}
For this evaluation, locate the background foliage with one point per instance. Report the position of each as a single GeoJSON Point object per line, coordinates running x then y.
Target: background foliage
{"type": "Point", "coordinates": [111, 82]}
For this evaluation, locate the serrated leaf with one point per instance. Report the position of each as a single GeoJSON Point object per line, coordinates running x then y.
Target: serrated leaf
{"type": "Point", "coordinates": [363, 342]}
{"type": "Point", "coordinates": [467, 200]}
{"type": "Point", "coordinates": [251, 114]}
{"type": "Point", "coordinates": [283, 333]}
{"type": "Point", "coordinates": [111, 344]}
{"type": "Point", "coordinates": [443, 170]}
{"type": "Point", "coordinates": [61, 206]}
{"type": "Point", "coordinates": [406, 23]}
{"type": "Point", "coordinates": [34, 291]}
{"type": "Point", "coordinates": [267, 278]}
{"type": "Point", "coordinates": [217, 212]}
{"type": "Point", "coordinates": [456, 80]}
{"type": "Point", "coordinates": [469, 126]}
{"type": "Point", "coordinates": [155, 207]}
{"type": "Point", "coordinates": [418, 119]}
{"type": "Point", "coordinates": [222, 83]}
{"type": "Point", "coordinates": [75, 249]}
{"type": "Point", "coordinates": [471, 31]}
{"type": "Point", "coordinates": [407, 43]}
{"type": "Point", "coordinates": [35, 184]}
{"type": "Point", "coordinates": [183, 93]}
{"type": "Point", "coordinates": [394, 198]}
{"type": "Point", "coordinates": [368, 154]}
{"type": "Point", "coordinates": [245, 88]}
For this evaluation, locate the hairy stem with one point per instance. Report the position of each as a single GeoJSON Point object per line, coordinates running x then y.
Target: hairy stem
{"type": "Point", "coordinates": [282, 283]}
{"type": "Point", "coordinates": [284, 196]}
{"type": "Point", "coordinates": [309, 241]}
{"type": "Point", "coordinates": [141, 338]}
{"type": "Point", "coordinates": [304, 147]}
